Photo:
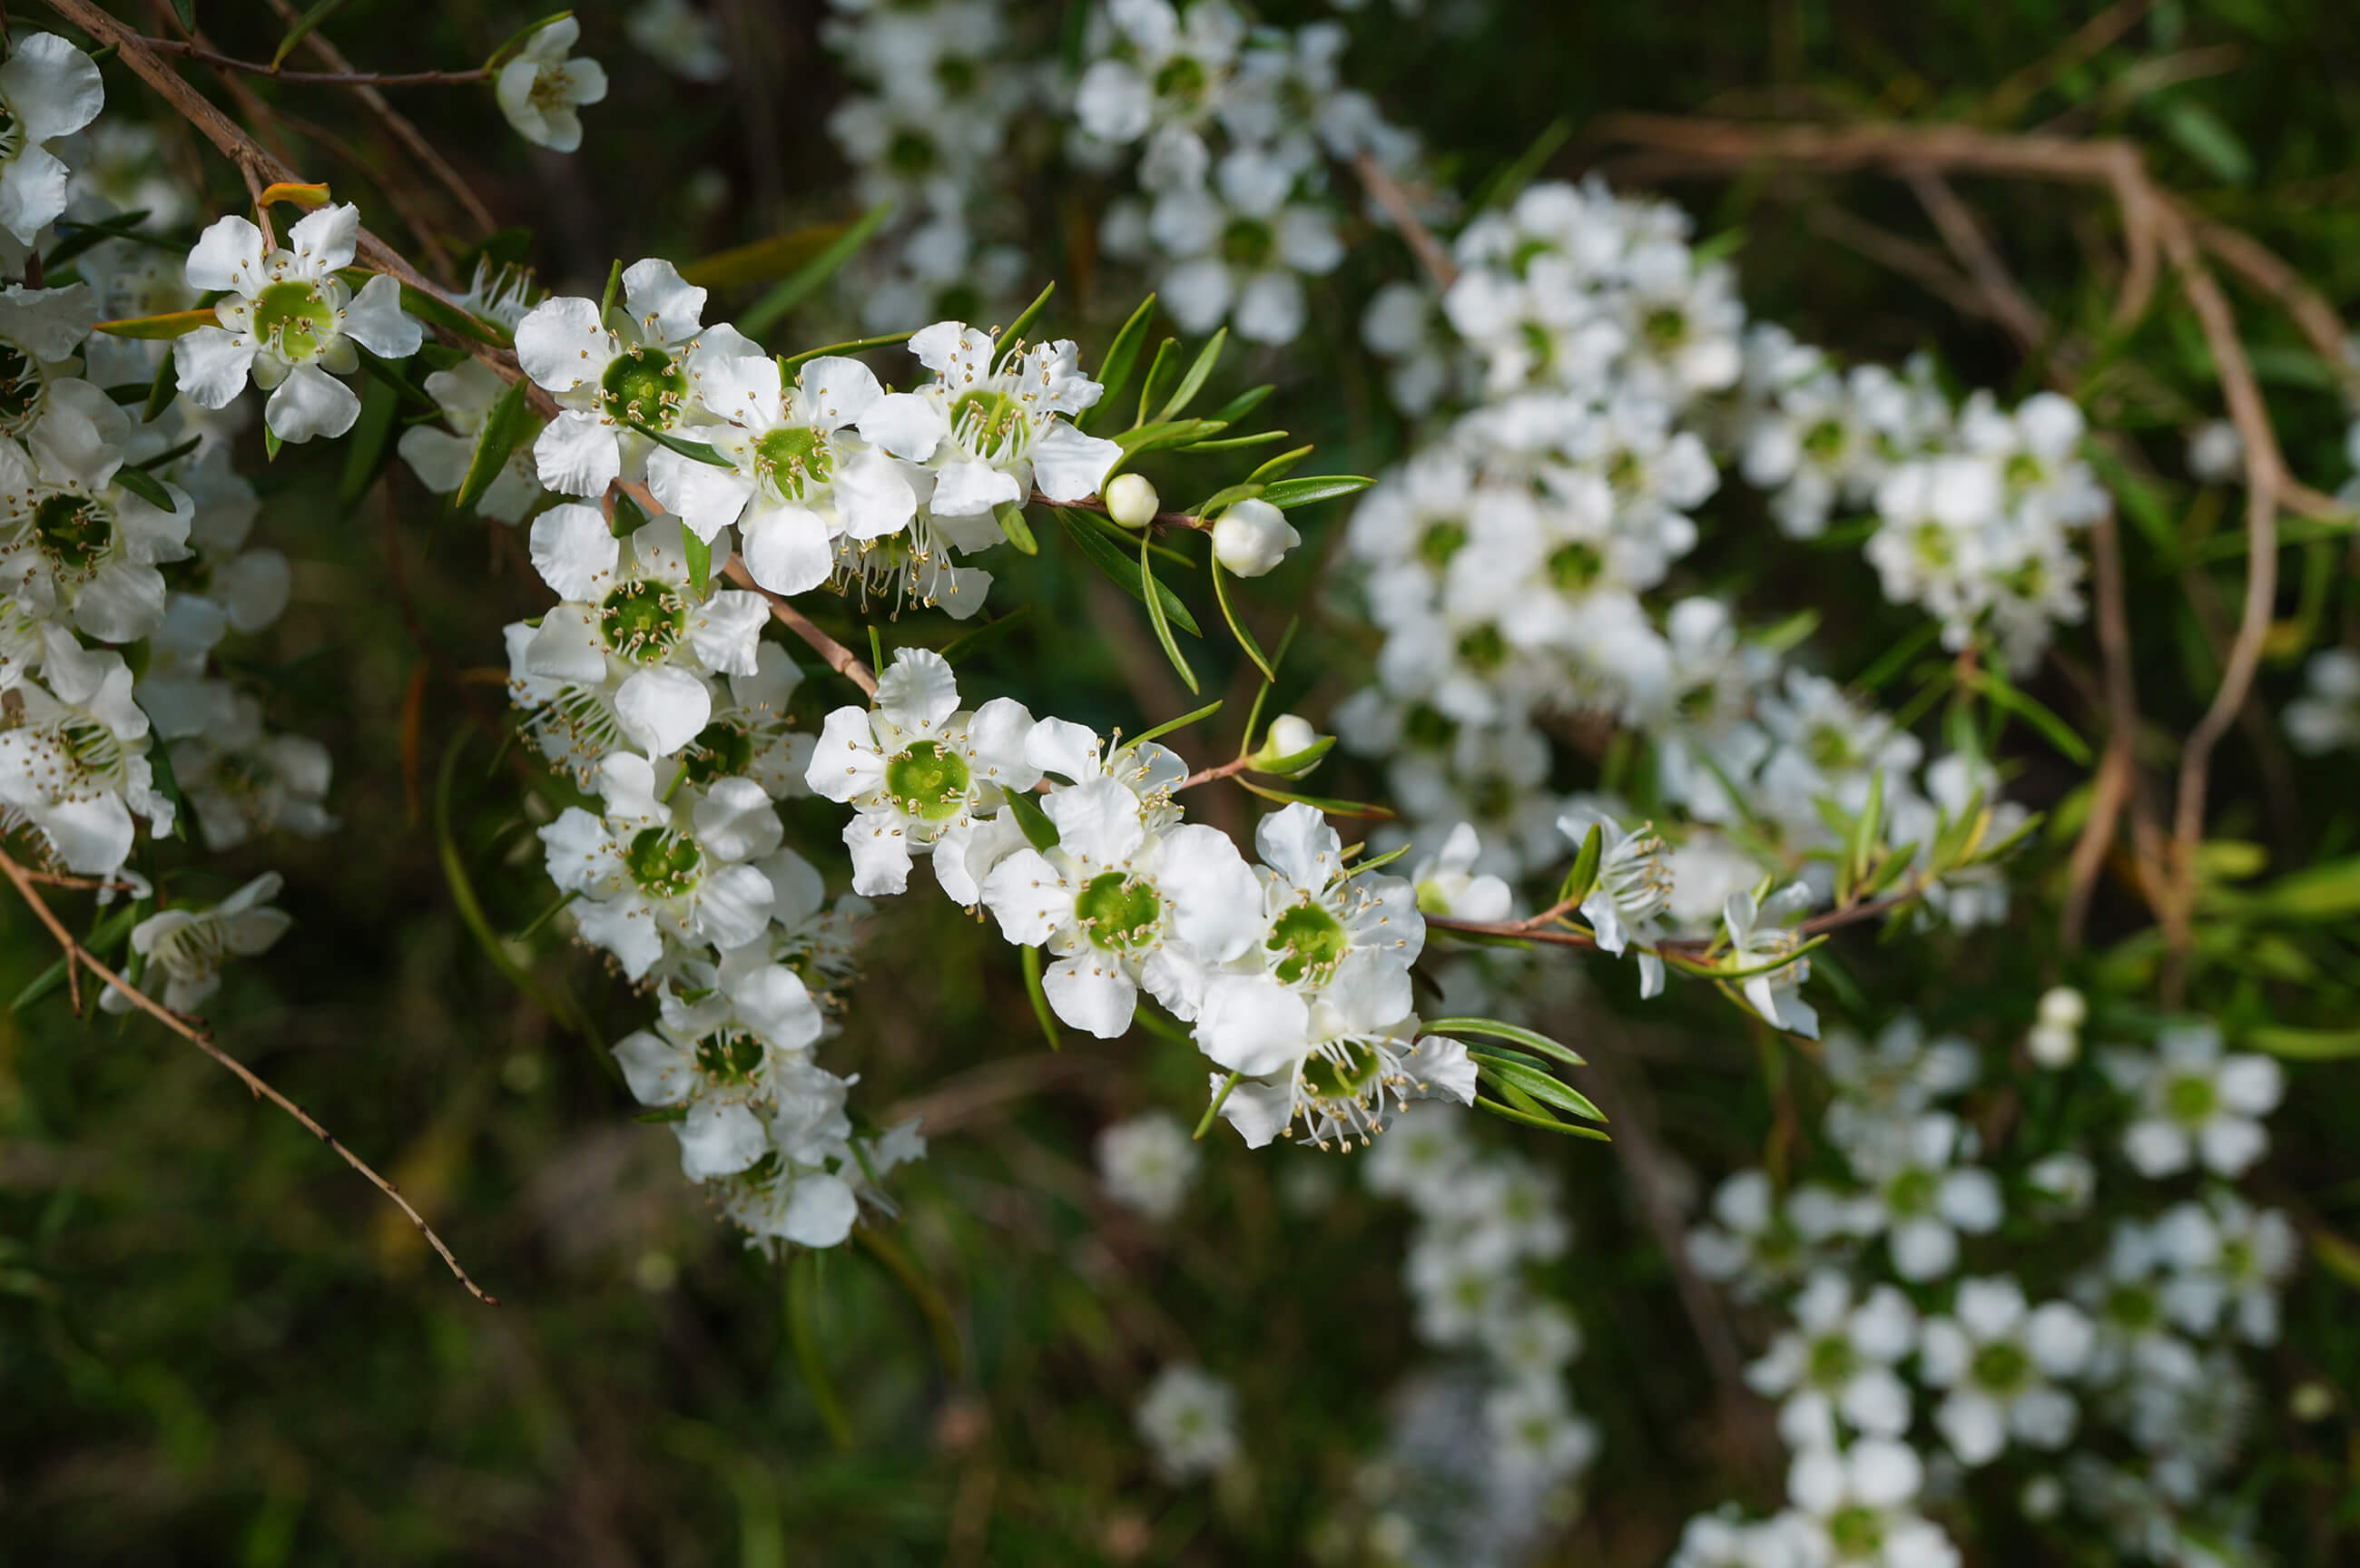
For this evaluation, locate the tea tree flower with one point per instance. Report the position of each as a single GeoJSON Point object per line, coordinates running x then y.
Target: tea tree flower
{"type": "Point", "coordinates": [1147, 1164]}
{"type": "Point", "coordinates": [466, 392]}
{"type": "Point", "coordinates": [74, 757]}
{"type": "Point", "coordinates": [1853, 1509]}
{"type": "Point", "coordinates": [646, 365]}
{"type": "Point", "coordinates": [2196, 1103]}
{"type": "Point", "coordinates": [1632, 890]}
{"type": "Point", "coordinates": [1188, 1418]}
{"type": "Point", "coordinates": [1838, 1358]}
{"type": "Point", "coordinates": [917, 769]}
{"type": "Point", "coordinates": [74, 544]}
{"type": "Point", "coordinates": [48, 89]}
{"type": "Point", "coordinates": [191, 945]}
{"type": "Point", "coordinates": [1997, 1357]}
{"type": "Point", "coordinates": [543, 89]}
{"type": "Point", "coordinates": [288, 321]}
{"type": "Point", "coordinates": [1924, 1198]}
{"type": "Point", "coordinates": [1774, 990]}
{"type": "Point", "coordinates": [994, 426]}
{"type": "Point", "coordinates": [715, 1059]}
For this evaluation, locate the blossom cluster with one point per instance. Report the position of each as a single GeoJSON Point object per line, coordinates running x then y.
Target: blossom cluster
{"type": "Point", "coordinates": [1903, 1363]}
{"type": "Point", "coordinates": [125, 556]}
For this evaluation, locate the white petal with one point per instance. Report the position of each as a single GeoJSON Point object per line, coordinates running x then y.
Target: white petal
{"type": "Point", "coordinates": [227, 258]}
{"type": "Point", "coordinates": [820, 1211]}
{"type": "Point", "coordinates": [310, 402]}
{"type": "Point", "coordinates": [1975, 1425]}
{"type": "Point", "coordinates": [706, 498]}
{"type": "Point", "coordinates": [1070, 466]}
{"type": "Point", "coordinates": [720, 1140]}
{"type": "Point", "coordinates": [786, 548]}
{"type": "Point", "coordinates": [733, 905]}
{"type": "Point", "coordinates": [211, 365]}
{"type": "Point", "coordinates": [995, 740]}
{"type": "Point", "coordinates": [1253, 1025]}
{"type": "Point", "coordinates": [1098, 822]}
{"type": "Point", "coordinates": [577, 455]}
{"type": "Point", "coordinates": [52, 88]}
{"type": "Point", "coordinates": [667, 307]}
{"type": "Point", "coordinates": [575, 551]}
{"type": "Point", "coordinates": [566, 647]}
{"type": "Point", "coordinates": [1092, 993]}
{"type": "Point", "coordinates": [969, 489]}
{"type": "Point", "coordinates": [1217, 906]}
{"type": "Point", "coordinates": [658, 1073]}
{"type": "Point", "coordinates": [1259, 1111]}
{"type": "Point", "coordinates": [1027, 896]}
{"type": "Point", "coordinates": [845, 763]}
{"type": "Point", "coordinates": [735, 821]}
{"type": "Point", "coordinates": [561, 344]}
{"type": "Point", "coordinates": [376, 322]}
{"type": "Point", "coordinates": [905, 424]}
{"type": "Point", "coordinates": [661, 710]}
{"type": "Point", "coordinates": [323, 240]}
{"type": "Point", "coordinates": [1298, 844]}
{"type": "Point", "coordinates": [881, 856]}
{"type": "Point", "coordinates": [836, 391]}
{"type": "Point", "coordinates": [873, 495]}
{"type": "Point", "coordinates": [918, 691]}
{"type": "Point", "coordinates": [1062, 748]}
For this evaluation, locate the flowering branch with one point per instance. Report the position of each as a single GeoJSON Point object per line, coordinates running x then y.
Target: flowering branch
{"type": "Point", "coordinates": [1098, 504]}
{"type": "Point", "coordinates": [78, 956]}
{"type": "Point", "coordinates": [220, 61]}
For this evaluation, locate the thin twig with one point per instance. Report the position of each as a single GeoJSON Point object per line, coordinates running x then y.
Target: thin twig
{"type": "Point", "coordinates": [203, 1040]}
{"type": "Point", "coordinates": [220, 61]}
{"type": "Point", "coordinates": [1236, 764]}
{"type": "Point", "coordinates": [1098, 504]}
{"type": "Point", "coordinates": [1404, 212]}
{"type": "Point", "coordinates": [831, 653]}
{"type": "Point", "coordinates": [2024, 321]}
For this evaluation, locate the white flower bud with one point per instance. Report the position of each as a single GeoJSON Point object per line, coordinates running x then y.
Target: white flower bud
{"type": "Point", "coordinates": [2053, 1045]}
{"type": "Point", "coordinates": [1131, 501]}
{"type": "Point", "coordinates": [1252, 537]}
{"type": "Point", "coordinates": [2061, 1006]}
{"type": "Point", "coordinates": [1288, 733]}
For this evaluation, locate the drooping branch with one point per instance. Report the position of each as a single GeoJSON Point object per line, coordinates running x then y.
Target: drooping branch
{"type": "Point", "coordinates": [79, 957]}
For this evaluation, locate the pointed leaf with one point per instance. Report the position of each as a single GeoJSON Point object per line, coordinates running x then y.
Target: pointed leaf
{"type": "Point", "coordinates": [1289, 493]}
{"type": "Point", "coordinates": [504, 430]}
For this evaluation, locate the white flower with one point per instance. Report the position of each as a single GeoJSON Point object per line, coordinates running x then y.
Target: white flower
{"type": "Point", "coordinates": [1997, 1358]}
{"type": "Point", "coordinates": [74, 757]}
{"type": "Point", "coordinates": [648, 367]}
{"type": "Point", "coordinates": [1124, 904]}
{"type": "Point", "coordinates": [40, 330]}
{"type": "Point", "coordinates": [664, 866]}
{"type": "Point", "coordinates": [1853, 1508]}
{"type": "Point", "coordinates": [466, 392]}
{"type": "Point", "coordinates": [1447, 883]}
{"type": "Point", "coordinates": [1188, 1418]}
{"type": "Point", "coordinates": [47, 89]}
{"type": "Point", "coordinates": [1534, 1439]}
{"type": "Point", "coordinates": [1839, 1356]}
{"type": "Point", "coordinates": [287, 321]}
{"type": "Point", "coordinates": [1754, 1243]}
{"type": "Point", "coordinates": [2216, 452]}
{"type": "Point", "coordinates": [1242, 249]}
{"type": "Point", "coordinates": [1772, 990]}
{"type": "Point", "coordinates": [630, 647]}
{"type": "Point", "coordinates": [918, 771]}
{"type": "Point", "coordinates": [74, 544]}
{"type": "Point", "coordinates": [1923, 1200]}
{"type": "Point", "coordinates": [2195, 1103]}
{"type": "Point", "coordinates": [2326, 717]}
{"type": "Point", "coordinates": [1147, 1163]}
{"type": "Point", "coordinates": [2133, 1334]}
{"type": "Point", "coordinates": [995, 423]}
{"type": "Point", "coordinates": [679, 36]}
{"type": "Point", "coordinates": [2231, 1261]}
{"type": "Point", "coordinates": [541, 89]}
{"type": "Point", "coordinates": [241, 779]}
{"type": "Point", "coordinates": [721, 1058]}
{"type": "Point", "coordinates": [1165, 66]}
{"type": "Point", "coordinates": [799, 477]}
{"type": "Point", "coordinates": [1633, 888]}
{"type": "Point", "coordinates": [191, 945]}
{"type": "Point", "coordinates": [1252, 537]}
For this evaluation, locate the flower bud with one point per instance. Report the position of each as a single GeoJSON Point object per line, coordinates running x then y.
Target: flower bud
{"type": "Point", "coordinates": [1131, 501]}
{"type": "Point", "coordinates": [1252, 537]}
{"type": "Point", "coordinates": [2061, 1006]}
{"type": "Point", "coordinates": [1288, 736]}
{"type": "Point", "coordinates": [2053, 1045]}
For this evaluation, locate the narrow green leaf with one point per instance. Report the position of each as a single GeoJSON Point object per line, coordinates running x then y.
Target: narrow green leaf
{"type": "Point", "coordinates": [1234, 443]}
{"type": "Point", "coordinates": [1245, 403]}
{"type": "Point", "coordinates": [270, 445]}
{"type": "Point", "coordinates": [661, 1115]}
{"type": "Point", "coordinates": [1031, 958]}
{"type": "Point", "coordinates": [1289, 493]}
{"type": "Point", "coordinates": [1012, 339]}
{"type": "Point", "coordinates": [145, 486]}
{"type": "Point", "coordinates": [1181, 722]}
{"type": "Point", "coordinates": [1011, 515]}
{"type": "Point", "coordinates": [303, 27]}
{"type": "Point", "coordinates": [1246, 643]}
{"type": "Point", "coordinates": [1541, 1086]}
{"type": "Point", "coordinates": [1584, 875]}
{"type": "Point", "coordinates": [1119, 566]}
{"type": "Point", "coordinates": [534, 927]}
{"type": "Point", "coordinates": [1497, 1030]}
{"type": "Point", "coordinates": [440, 312]}
{"type": "Point", "coordinates": [1528, 1119]}
{"type": "Point", "coordinates": [788, 363]}
{"type": "Point", "coordinates": [700, 559]}
{"type": "Point", "coordinates": [695, 451]}
{"type": "Point", "coordinates": [169, 454]}
{"type": "Point", "coordinates": [1155, 368]}
{"type": "Point", "coordinates": [757, 320]}
{"type": "Point", "coordinates": [614, 287]}
{"type": "Point", "coordinates": [2002, 693]}
{"type": "Point", "coordinates": [1039, 831]}
{"type": "Point", "coordinates": [1295, 763]}
{"type": "Point", "coordinates": [160, 391]}
{"type": "Point", "coordinates": [1330, 807]}
{"type": "Point", "coordinates": [1276, 468]}
{"type": "Point", "coordinates": [98, 944]}
{"type": "Point", "coordinates": [1121, 359]}
{"type": "Point", "coordinates": [2306, 1045]}
{"type": "Point", "coordinates": [802, 1271]}
{"type": "Point", "coordinates": [1154, 602]}
{"type": "Point", "coordinates": [516, 41]}
{"type": "Point", "coordinates": [1508, 181]}
{"type": "Point", "coordinates": [187, 11]}
{"type": "Point", "coordinates": [1867, 830]}
{"type": "Point", "coordinates": [1222, 500]}
{"type": "Point", "coordinates": [1163, 434]}
{"type": "Point", "coordinates": [170, 324]}
{"type": "Point", "coordinates": [1194, 382]}
{"type": "Point", "coordinates": [504, 430]}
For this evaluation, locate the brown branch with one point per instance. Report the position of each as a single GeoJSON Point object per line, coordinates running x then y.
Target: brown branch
{"type": "Point", "coordinates": [831, 653]}
{"type": "Point", "coordinates": [1404, 212]}
{"type": "Point", "coordinates": [398, 124]}
{"type": "Point", "coordinates": [341, 78]}
{"type": "Point", "coordinates": [1236, 764]}
{"type": "Point", "coordinates": [2023, 321]}
{"type": "Point", "coordinates": [1098, 504]}
{"type": "Point", "coordinates": [1921, 264]}
{"type": "Point", "coordinates": [203, 1040]}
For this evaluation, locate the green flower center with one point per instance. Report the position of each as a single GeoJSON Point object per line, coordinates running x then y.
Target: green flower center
{"type": "Point", "coordinates": [1351, 1073]}
{"type": "Point", "coordinates": [732, 1056]}
{"type": "Point", "coordinates": [1573, 568]}
{"type": "Point", "coordinates": [2189, 1100]}
{"type": "Point", "coordinates": [1831, 1361]}
{"type": "Point", "coordinates": [909, 154]}
{"type": "Point", "coordinates": [1665, 327]}
{"type": "Point", "coordinates": [643, 620]}
{"type": "Point", "coordinates": [1931, 544]}
{"type": "Point", "coordinates": [928, 782]}
{"type": "Point", "coordinates": [74, 532]}
{"type": "Point", "coordinates": [1537, 342]}
{"type": "Point", "coordinates": [792, 457]}
{"type": "Point", "coordinates": [1911, 1193]}
{"type": "Point", "coordinates": [2023, 471]}
{"type": "Point", "coordinates": [957, 76]}
{"type": "Point", "coordinates": [1117, 910]}
{"type": "Point", "coordinates": [1824, 443]}
{"type": "Point", "coordinates": [1427, 728]}
{"type": "Point", "coordinates": [293, 319]}
{"type": "Point", "coordinates": [20, 388]}
{"type": "Point", "coordinates": [1312, 940]}
{"type": "Point", "coordinates": [1441, 542]}
{"type": "Point", "coordinates": [1484, 649]}
{"type": "Point", "coordinates": [1247, 244]}
{"type": "Point", "coordinates": [663, 863]}
{"type": "Point", "coordinates": [987, 421]}
{"type": "Point", "coordinates": [1857, 1530]}
{"type": "Point", "coordinates": [1830, 747]}
{"type": "Point", "coordinates": [2000, 1367]}
{"type": "Point", "coordinates": [1181, 80]}
{"type": "Point", "coordinates": [719, 750]}
{"type": "Point", "coordinates": [1491, 797]}
{"type": "Point", "coordinates": [2133, 1306]}
{"type": "Point", "coordinates": [644, 386]}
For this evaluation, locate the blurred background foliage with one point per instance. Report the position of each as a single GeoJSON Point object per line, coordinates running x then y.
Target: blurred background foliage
{"type": "Point", "coordinates": [218, 1347]}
